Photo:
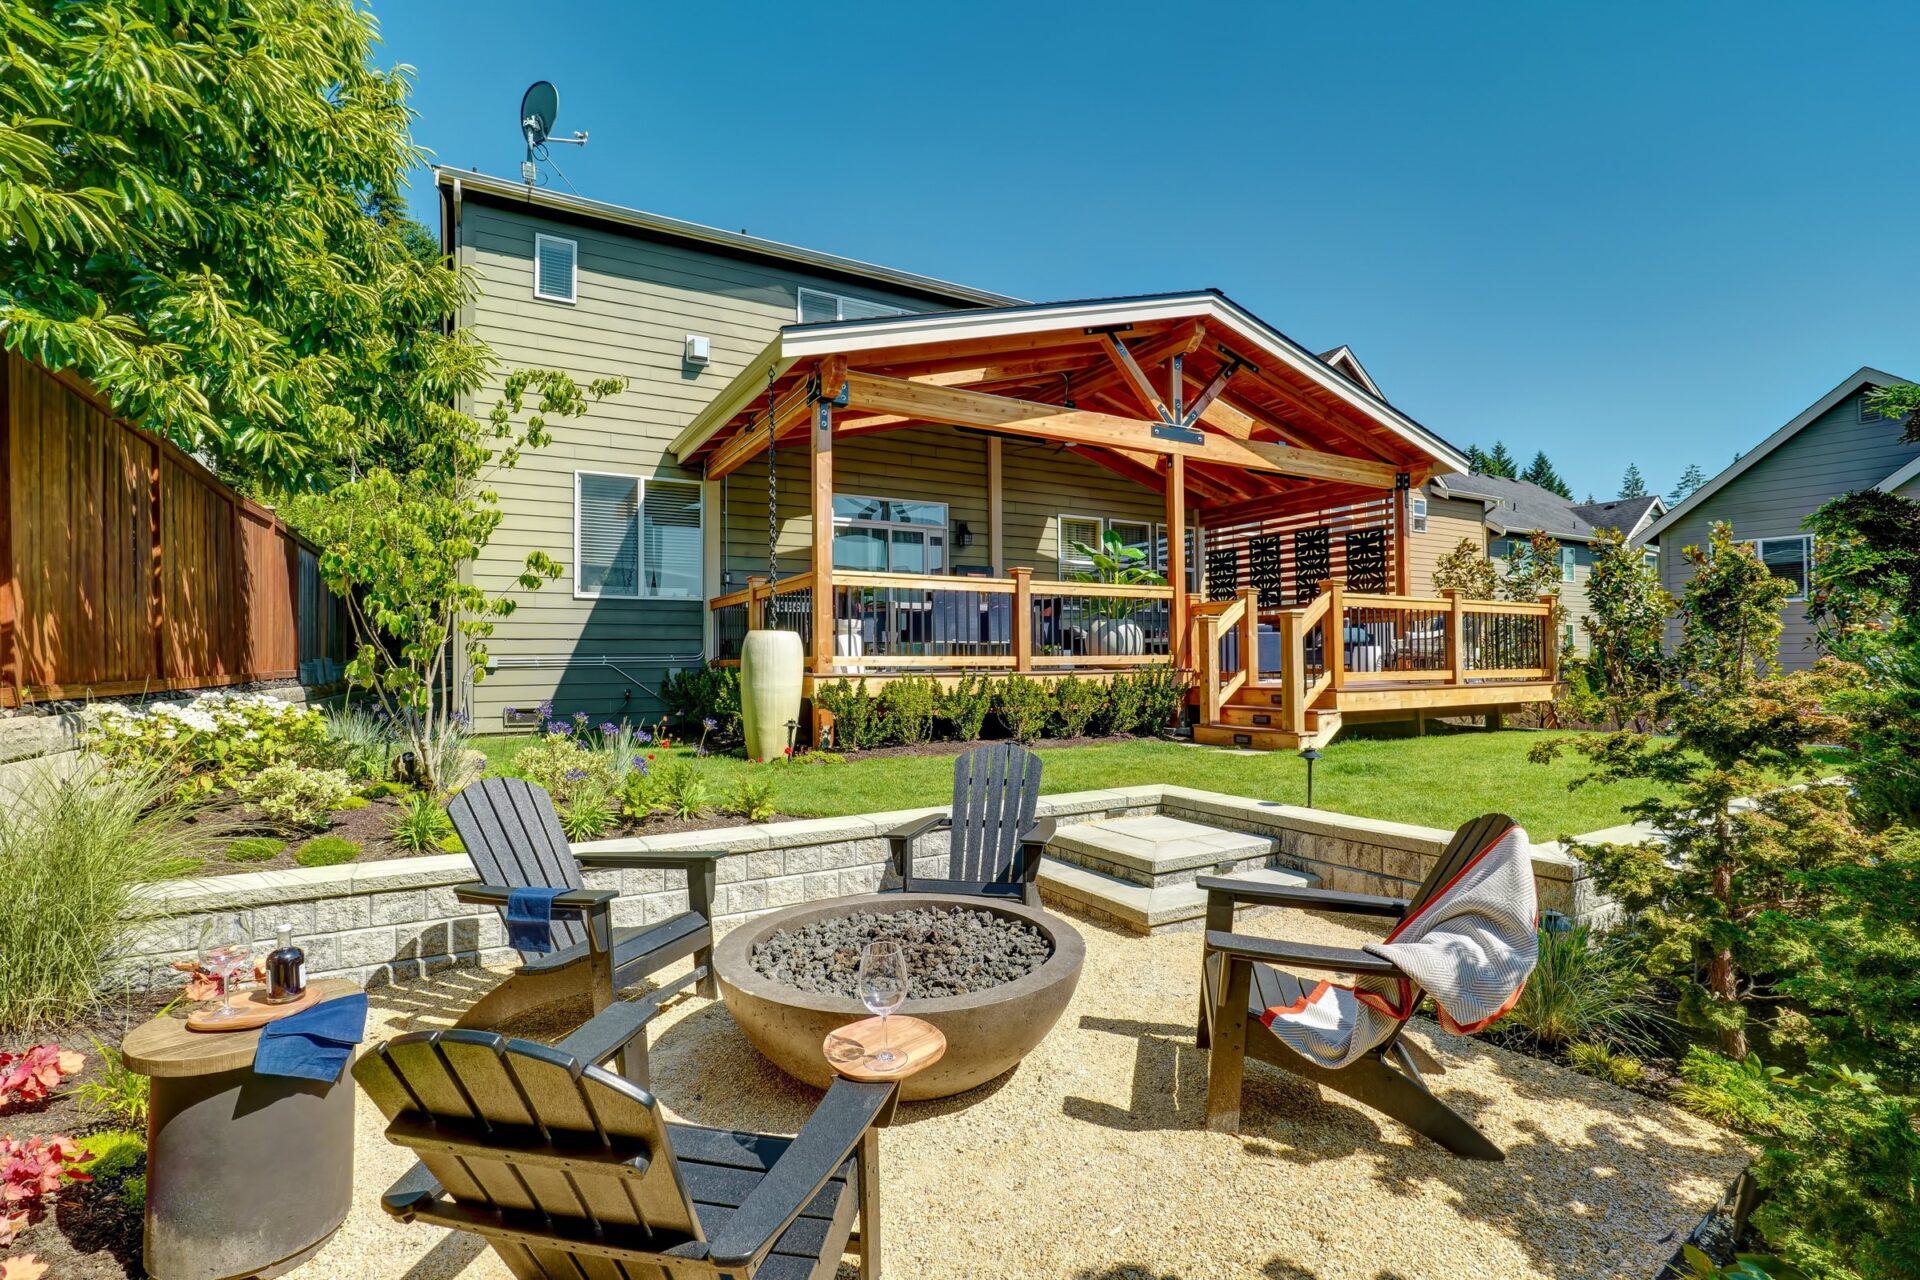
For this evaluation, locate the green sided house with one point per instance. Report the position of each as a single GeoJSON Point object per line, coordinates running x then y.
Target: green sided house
{"type": "Point", "coordinates": [908, 472]}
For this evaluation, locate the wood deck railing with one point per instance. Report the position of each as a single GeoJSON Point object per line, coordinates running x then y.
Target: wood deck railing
{"type": "Point", "coordinates": [1344, 639]}
{"type": "Point", "coordinates": [899, 621]}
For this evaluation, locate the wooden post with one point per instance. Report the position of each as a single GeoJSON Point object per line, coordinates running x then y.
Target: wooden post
{"type": "Point", "coordinates": [1456, 637]}
{"type": "Point", "coordinates": [1402, 531]}
{"type": "Point", "coordinates": [996, 522]}
{"type": "Point", "coordinates": [756, 602]}
{"type": "Point", "coordinates": [1022, 617]}
{"type": "Point", "coordinates": [11, 692]}
{"type": "Point", "coordinates": [1293, 673]}
{"type": "Point", "coordinates": [1177, 555]}
{"type": "Point", "coordinates": [821, 455]}
{"type": "Point", "coordinates": [1250, 634]}
{"type": "Point", "coordinates": [1550, 650]}
{"type": "Point", "coordinates": [1335, 646]}
{"type": "Point", "coordinates": [1207, 662]}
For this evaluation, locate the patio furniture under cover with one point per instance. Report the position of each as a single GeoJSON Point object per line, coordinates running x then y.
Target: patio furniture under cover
{"type": "Point", "coordinates": [568, 1170]}
{"type": "Point", "coordinates": [996, 843]}
{"type": "Point", "coordinates": [1466, 937]}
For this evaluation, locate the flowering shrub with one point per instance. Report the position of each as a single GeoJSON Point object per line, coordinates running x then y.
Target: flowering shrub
{"type": "Point", "coordinates": [212, 741]}
{"type": "Point", "coordinates": [29, 1077]}
{"type": "Point", "coordinates": [30, 1171]}
{"type": "Point", "coordinates": [557, 763]}
{"type": "Point", "coordinates": [296, 797]}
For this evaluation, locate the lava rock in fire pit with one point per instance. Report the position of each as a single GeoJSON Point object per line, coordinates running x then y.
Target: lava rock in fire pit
{"type": "Point", "coordinates": [950, 952]}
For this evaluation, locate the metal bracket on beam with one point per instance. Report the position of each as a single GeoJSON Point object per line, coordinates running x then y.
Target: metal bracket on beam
{"type": "Point", "coordinates": [1402, 480]}
{"type": "Point", "coordinates": [1096, 330]}
{"type": "Point", "coordinates": [1181, 434]}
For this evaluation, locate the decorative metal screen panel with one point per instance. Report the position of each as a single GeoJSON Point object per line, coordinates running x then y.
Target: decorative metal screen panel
{"type": "Point", "coordinates": [1264, 569]}
{"type": "Point", "coordinates": [1223, 572]}
{"type": "Point", "coordinates": [1312, 563]}
{"type": "Point", "coordinates": [1367, 561]}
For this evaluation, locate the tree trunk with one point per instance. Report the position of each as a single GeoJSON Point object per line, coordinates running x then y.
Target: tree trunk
{"type": "Point", "coordinates": [1722, 977]}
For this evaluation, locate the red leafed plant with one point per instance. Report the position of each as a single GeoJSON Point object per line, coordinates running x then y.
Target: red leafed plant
{"type": "Point", "coordinates": [31, 1170]}
{"type": "Point", "coordinates": [31, 1076]}
{"type": "Point", "coordinates": [25, 1267]}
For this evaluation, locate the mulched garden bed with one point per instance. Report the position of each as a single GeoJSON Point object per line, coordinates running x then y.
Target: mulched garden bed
{"type": "Point", "coordinates": [89, 1232]}
{"type": "Point", "coordinates": [951, 748]}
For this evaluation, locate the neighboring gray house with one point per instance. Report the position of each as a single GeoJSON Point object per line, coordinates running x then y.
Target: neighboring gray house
{"type": "Point", "coordinates": [1494, 513]}
{"type": "Point", "coordinates": [1837, 445]}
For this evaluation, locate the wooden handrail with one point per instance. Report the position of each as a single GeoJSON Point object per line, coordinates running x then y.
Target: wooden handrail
{"type": "Point", "coordinates": [1108, 589]}
{"type": "Point", "coordinates": [729, 600]}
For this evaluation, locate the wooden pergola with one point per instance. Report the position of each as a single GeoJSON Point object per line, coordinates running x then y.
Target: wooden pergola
{"type": "Point", "coordinates": [1187, 394]}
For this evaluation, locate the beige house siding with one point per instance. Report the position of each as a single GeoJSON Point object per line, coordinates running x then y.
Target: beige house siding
{"type": "Point", "coordinates": [1448, 521]}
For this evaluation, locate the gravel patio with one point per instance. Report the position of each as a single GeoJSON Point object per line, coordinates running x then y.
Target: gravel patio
{"type": "Point", "coordinates": [1090, 1161]}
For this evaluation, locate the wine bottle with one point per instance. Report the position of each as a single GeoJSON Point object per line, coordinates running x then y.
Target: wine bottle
{"type": "Point", "coordinates": [286, 970]}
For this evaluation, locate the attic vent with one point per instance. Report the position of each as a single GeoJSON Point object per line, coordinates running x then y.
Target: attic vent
{"type": "Point", "coordinates": [555, 268]}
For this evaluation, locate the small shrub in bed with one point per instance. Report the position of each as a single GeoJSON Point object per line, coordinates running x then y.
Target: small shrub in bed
{"type": "Point", "coordinates": [1025, 706]}
{"type": "Point", "coordinates": [909, 704]}
{"type": "Point", "coordinates": [1587, 990]}
{"type": "Point", "coordinates": [1605, 1063]}
{"type": "Point", "coordinates": [294, 797]}
{"type": "Point", "coordinates": [1122, 710]}
{"type": "Point", "coordinates": [327, 851]}
{"type": "Point", "coordinates": [362, 742]}
{"type": "Point", "coordinates": [859, 718]}
{"type": "Point", "coordinates": [682, 790]}
{"type": "Point", "coordinates": [589, 814]}
{"type": "Point", "coordinates": [420, 825]}
{"type": "Point", "coordinates": [255, 849]}
{"type": "Point", "coordinates": [558, 764]}
{"type": "Point", "coordinates": [211, 742]}
{"type": "Point", "coordinates": [351, 803]}
{"type": "Point", "coordinates": [1076, 703]}
{"type": "Point", "coordinates": [1156, 696]}
{"type": "Point", "coordinates": [699, 694]}
{"type": "Point", "coordinates": [752, 799]}
{"type": "Point", "coordinates": [963, 708]}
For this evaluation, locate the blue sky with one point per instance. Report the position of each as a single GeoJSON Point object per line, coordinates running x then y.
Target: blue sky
{"type": "Point", "coordinates": [1630, 232]}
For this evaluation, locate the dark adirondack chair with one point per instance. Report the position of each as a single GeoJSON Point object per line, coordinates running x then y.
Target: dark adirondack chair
{"type": "Point", "coordinates": [570, 1171]}
{"type": "Point", "coordinates": [1238, 985]}
{"type": "Point", "coordinates": [996, 842]}
{"type": "Point", "coordinates": [514, 838]}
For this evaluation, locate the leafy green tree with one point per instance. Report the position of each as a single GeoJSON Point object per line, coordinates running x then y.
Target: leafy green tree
{"type": "Point", "coordinates": [1901, 403]}
{"type": "Point", "coordinates": [198, 213]}
{"type": "Point", "coordinates": [1468, 570]}
{"type": "Point", "coordinates": [1633, 484]}
{"type": "Point", "coordinates": [1690, 479]}
{"type": "Point", "coordinates": [1476, 460]}
{"type": "Point", "coordinates": [1866, 604]}
{"type": "Point", "coordinates": [1500, 462]}
{"type": "Point", "coordinates": [1626, 615]}
{"type": "Point", "coordinates": [1540, 471]}
{"type": "Point", "coordinates": [1736, 727]}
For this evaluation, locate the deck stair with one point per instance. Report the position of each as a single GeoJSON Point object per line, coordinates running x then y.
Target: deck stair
{"type": "Point", "coordinates": [1254, 718]}
{"type": "Point", "coordinates": [1139, 872]}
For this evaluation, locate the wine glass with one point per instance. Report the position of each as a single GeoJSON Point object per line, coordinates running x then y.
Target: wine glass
{"type": "Point", "coordinates": [225, 951]}
{"type": "Point", "coordinates": [883, 989]}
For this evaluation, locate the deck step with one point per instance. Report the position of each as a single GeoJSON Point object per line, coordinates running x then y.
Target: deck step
{"type": "Point", "coordinates": [1247, 736]}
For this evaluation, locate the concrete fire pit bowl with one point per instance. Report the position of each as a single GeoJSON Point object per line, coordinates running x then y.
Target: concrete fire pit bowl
{"type": "Point", "coordinates": [987, 1032]}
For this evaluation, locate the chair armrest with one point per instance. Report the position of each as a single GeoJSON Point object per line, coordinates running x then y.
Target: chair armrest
{"type": "Point", "coordinates": [1359, 904]}
{"type": "Point", "coordinates": [411, 1192]}
{"type": "Point", "coordinates": [1033, 847]}
{"type": "Point", "coordinates": [902, 839]}
{"type": "Point", "coordinates": [617, 859]}
{"type": "Point", "coordinates": [614, 1027]}
{"type": "Point", "coordinates": [1301, 955]}
{"type": "Point", "coordinates": [573, 900]}
{"type": "Point", "coordinates": [827, 1142]}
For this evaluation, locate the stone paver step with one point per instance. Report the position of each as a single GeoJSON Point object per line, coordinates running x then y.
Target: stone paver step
{"type": "Point", "coordinates": [1143, 909]}
{"type": "Point", "coordinates": [1154, 850]}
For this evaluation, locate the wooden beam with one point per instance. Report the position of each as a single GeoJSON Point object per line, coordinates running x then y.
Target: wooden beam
{"type": "Point", "coordinates": [1212, 391]}
{"type": "Point", "coordinates": [821, 475]}
{"type": "Point", "coordinates": [1132, 375]}
{"type": "Point", "coordinates": [996, 521]}
{"type": "Point", "coordinates": [747, 443]}
{"type": "Point", "coordinates": [1184, 340]}
{"type": "Point", "coordinates": [1177, 556]}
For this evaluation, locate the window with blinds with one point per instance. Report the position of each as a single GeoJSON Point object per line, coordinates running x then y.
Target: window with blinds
{"type": "Point", "coordinates": [606, 534]}
{"type": "Point", "coordinates": [670, 524]}
{"type": "Point", "coordinates": [555, 268]}
{"type": "Point", "coordinates": [820, 307]}
{"type": "Point", "coordinates": [1083, 530]}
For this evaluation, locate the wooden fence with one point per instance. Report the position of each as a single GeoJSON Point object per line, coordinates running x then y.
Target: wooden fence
{"type": "Point", "coordinates": [126, 566]}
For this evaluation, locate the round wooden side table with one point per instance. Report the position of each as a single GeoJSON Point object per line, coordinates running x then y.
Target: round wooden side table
{"type": "Point", "coordinates": [247, 1175]}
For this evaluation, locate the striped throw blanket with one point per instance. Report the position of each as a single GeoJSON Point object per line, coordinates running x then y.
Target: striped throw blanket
{"type": "Point", "coordinates": [1471, 947]}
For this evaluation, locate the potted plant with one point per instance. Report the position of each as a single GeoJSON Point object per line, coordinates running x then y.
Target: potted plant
{"type": "Point", "coordinates": [1110, 628]}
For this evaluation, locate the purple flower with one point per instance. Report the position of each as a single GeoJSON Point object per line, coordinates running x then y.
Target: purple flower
{"type": "Point", "coordinates": [576, 775]}
{"type": "Point", "coordinates": [609, 728]}
{"type": "Point", "coordinates": [545, 710]}
{"type": "Point", "coordinates": [709, 724]}
{"type": "Point", "coordinates": [580, 718]}
{"type": "Point", "coordinates": [640, 763]}
{"type": "Point", "coordinates": [643, 736]}
{"type": "Point", "coordinates": [554, 726]}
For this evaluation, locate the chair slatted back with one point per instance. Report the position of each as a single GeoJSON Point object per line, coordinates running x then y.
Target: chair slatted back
{"type": "Point", "coordinates": [514, 838]}
{"type": "Point", "coordinates": [995, 791]}
{"type": "Point", "coordinates": [1466, 845]}
{"type": "Point", "coordinates": [557, 1147]}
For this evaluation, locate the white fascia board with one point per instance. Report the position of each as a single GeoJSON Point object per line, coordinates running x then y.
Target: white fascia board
{"type": "Point", "coordinates": [847, 337]}
{"type": "Point", "coordinates": [748, 385]}
{"type": "Point", "coordinates": [1862, 377]}
{"type": "Point", "coordinates": [1900, 477]}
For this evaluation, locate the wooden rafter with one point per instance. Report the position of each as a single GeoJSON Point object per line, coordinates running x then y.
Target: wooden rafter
{"type": "Point", "coordinates": [1134, 377]}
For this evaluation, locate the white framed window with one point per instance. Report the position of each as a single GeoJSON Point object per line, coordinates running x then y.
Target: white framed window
{"type": "Point", "coordinates": [1158, 560]}
{"type": "Point", "coordinates": [1789, 558]}
{"type": "Point", "coordinates": [636, 539]}
{"type": "Point", "coordinates": [1083, 530]}
{"type": "Point", "coordinates": [556, 268]}
{"type": "Point", "coordinates": [1569, 557]}
{"type": "Point", "coordinates": [1417, 512]}
{"type": "Point", "coordinates": [817, 306]}
{"type": "Point", "coordinates": [889, 535]}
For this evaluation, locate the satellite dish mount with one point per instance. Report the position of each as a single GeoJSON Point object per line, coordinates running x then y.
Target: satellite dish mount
{"type": "Point", "coordinates": [539, 108]}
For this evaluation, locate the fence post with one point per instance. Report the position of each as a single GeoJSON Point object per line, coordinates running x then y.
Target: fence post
{"type": "Point", "coordinates": [1206, 660]}
{"type": "Point", "coordinates": [1336, 631]}
{"type": "Point", "coordinates": [756, 603]}
{"type": "Point", "coordinates": [1250, 633]}
{"type": "Point", "coordinates": [1293, 672]}
{"type": "Point", "coordinates": [1022, 617]}
{"type": "Point", "coordinates": [1550, 650]}
{"type": "Point", "coordinates": [1456, 637]}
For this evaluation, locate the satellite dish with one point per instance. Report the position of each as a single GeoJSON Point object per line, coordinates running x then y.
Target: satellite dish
{"type": "Point", "coordinates": [539, 107]}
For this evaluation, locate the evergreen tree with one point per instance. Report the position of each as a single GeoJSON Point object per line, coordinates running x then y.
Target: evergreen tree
{"type": "Point", "coordinates": [1540, 471]}
{"type": "Point", "coordinates": [1500, 462]}
{"type": "Point", "coordinates": [1633, 484]}
{"type": "Point", "coordinates": [1690, 479]}
{"type": "Point", "coordinates": [1476, 460]}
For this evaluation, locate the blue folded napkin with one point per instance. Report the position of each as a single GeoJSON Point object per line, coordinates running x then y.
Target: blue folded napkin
{"type": "Point", "coordinates": [315, 1043]}
{"type": "Point", "coordinates": [530, 918]}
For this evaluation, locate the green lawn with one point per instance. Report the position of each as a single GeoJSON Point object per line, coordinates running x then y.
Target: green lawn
{"type": "Point", "coordinates": [1439, 781]}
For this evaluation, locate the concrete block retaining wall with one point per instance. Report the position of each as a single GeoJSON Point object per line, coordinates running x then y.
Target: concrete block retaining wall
{"type": "Point", "coordinates": [393, 920]}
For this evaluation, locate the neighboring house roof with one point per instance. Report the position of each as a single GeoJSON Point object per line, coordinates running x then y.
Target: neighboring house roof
{"type": "Point", "coordinates": [1264, 343]}
{"type": "Point", "coordinates": [473, 182]}
{"type": "Point", "coordinates": [1520, 506]}
{"type": "Point", "coordinates": [1851, 385]}
{"type": "Point", "coordinates": [1900, 477]}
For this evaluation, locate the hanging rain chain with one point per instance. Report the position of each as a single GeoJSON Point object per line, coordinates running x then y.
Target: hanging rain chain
{"type": "Point", "coordinates": [773, 496]}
